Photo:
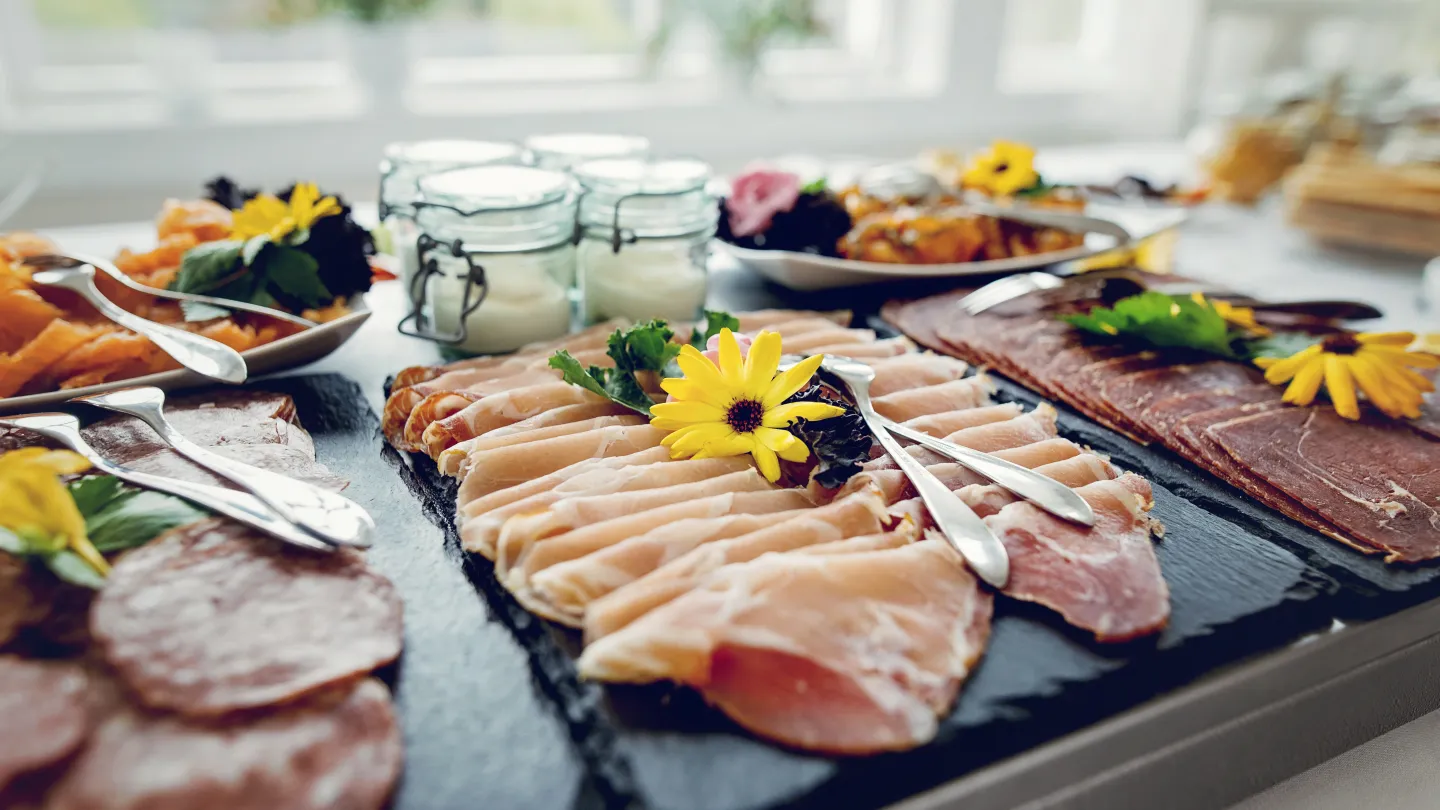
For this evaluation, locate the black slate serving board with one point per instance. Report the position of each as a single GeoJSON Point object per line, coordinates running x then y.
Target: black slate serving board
{"type": "Point", "coordinates": [1233, 594]}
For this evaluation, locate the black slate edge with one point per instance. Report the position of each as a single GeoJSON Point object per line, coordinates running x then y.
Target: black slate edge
{"type": "Point", "coordinates": [578, 703]}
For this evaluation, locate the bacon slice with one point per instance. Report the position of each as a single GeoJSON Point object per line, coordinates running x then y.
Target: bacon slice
{"type": "Point", "coordinates": [841, 653]}
{"type": "Point", "coordinates": [1104, 579]}
{"type": "Point", "coordinates": [1378, 485]}
{"type": "Point", "coordinates": [43, 704]}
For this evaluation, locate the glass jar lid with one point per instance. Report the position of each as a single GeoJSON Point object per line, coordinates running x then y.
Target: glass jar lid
{"type": "Point", "coordinates": [498, 208]}
{"type": "Point", "coordinates": [406, 163]}
{"type": "Point", "coordinates": [569, 149]}
{"type": "Point", "coordinates": [647, 198]}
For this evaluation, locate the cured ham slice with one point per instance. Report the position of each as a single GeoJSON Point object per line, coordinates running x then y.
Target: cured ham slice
{"type": "Point", "coordinates": [889, 347]}
{"type": "Point", "coordinates": [1074, 472]}
{"type": "Point", "coordinates": [341, 750]}
{"type": "Point", "coordinates": [46, 718]}
{"type": "Point", "coordinates": [520, 533]}
{"type": "Point", "coordinates": [445, 401]}
{"type": "Point", "coordinates": [576, 544]}
{"type": "Point", "coordinates": [568, 587]}
{"type": "Point", "coordinates": [914, 371]}
{"type": "Point", "coordinates": [212, 618]}
{"type": "Point", "coordinates": [483, 529]}
{"type": "Point", "coordinates": [849, 653]}
{"type": "Point", "coordinates": [1378, 485]}
{"type": "Point", "coordinates": [1035, 426]}
{"type": "Point", "coordinates": [469, 508]}
{"type": "Point", "coordinates": [798, 326]}
{"type": "Point", "coordinates": [803, 343]}
{"type": "Point", "coordinates": [903, 535]}
{"type": "Point", "coordinates": [1028, 445]}
{"type": "Point", "coordinates": [561, 416]}
{"type": "Point", "coordinates": [499, 410]}
{"type": "Point", "coordinates": [509, 466]}
{"type": "Point", "coordinates": [773, 318]}
{"type": "Point", "coordinates": [858, 514]}
{"type": "Point", "coordinates": [971, 392]}
{"type": "Point", "coordinates": [941, 425]}
{"type": "Point", "coordinates": [1105, 579]}
{"type": "Point", "coordinates": [453, 461]}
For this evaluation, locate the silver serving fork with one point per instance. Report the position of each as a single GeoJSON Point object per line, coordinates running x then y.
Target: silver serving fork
{"type": "Point", "coordinates": [329, 516]}
{"type": "Point", "coordinates": [959, 524]}
{"type": "Point", "coordinates": [239, 506]}
{"type": "Point", "coordinates": [195, 352]}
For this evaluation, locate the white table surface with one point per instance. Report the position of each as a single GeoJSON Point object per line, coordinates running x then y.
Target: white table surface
{"type": "Point", "coordinates": [1249, 249]}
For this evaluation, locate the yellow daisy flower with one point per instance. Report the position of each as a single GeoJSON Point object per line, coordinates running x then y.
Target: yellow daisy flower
{"type": "Point", "coordinates": [1243, 317]}
{"type": "Point", "coordinates": [268, 215]}
{"type": "Point", "coordinates": [38, 508]}
{"type": "Point", "coordinates": [738, 407]}
{"type": "Point", "coordinates": [1004, 170]}
{"type": "Point", "coordinates": [1377, 362]}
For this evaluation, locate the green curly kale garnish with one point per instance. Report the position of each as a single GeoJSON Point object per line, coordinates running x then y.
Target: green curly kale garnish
{"type": "Point", "coordinates": [841, 444]}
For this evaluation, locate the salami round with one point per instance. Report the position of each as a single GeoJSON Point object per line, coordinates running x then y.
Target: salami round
{"type": "Point", "coordinates": [334, 751]}
{"type": "Point", "coordinates": [213, 618]}
{"type": "Point", "coordinates": [44, 710]}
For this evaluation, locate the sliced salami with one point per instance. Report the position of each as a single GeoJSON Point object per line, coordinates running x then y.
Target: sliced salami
{"type": "Point", "coordinates": [338, 750]}
{"type": "Point", "coordinates": [43, 704]}
{"type": "Point", "coordinates": [212, 618]}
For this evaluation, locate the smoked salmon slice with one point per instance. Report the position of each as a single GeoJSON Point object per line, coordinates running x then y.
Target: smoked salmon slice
{"type": "Point", "coordinates": [850, 653]}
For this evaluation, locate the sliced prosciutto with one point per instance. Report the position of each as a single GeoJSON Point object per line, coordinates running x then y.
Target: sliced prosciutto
{"type": "Point", "coordinates": [509, 466]}
{"type": "Point", "coordinates": [498, 410]}
{"type": "Point", "coordinates": [454, 461]}
{"type": "Point", "coordinates": [1105, 579]}
{"type": "Point", "coordinates": [849, 653]}
{"type": "Point", "coordinates": [941, 425]}
{"type": "Point", "coordinates": [1378, 485]}
{"type": "Point", "coordinates": [914, 370]}
{"type": "Point", "coordinates": [971, 392]}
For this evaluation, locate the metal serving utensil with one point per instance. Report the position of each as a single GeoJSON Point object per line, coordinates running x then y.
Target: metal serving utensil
{"type": "Point", "coordinates": [1121, 282]}
{"type": "Point", "coordinates": [199, 354]}
{"type": "Point", "coordinates": [55, 261]}
{"type": "Point", "coordinates": [238, 506]}
{"type": "Point", "coordinates": [1041, 490]}
{"type": "Point", "coordinates": [331, 517]}
{"type": "Point", "coordinates": [964, 530]}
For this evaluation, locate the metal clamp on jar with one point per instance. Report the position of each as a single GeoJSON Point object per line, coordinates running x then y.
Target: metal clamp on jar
{"type": "Point", "coordinates": [496, 258]}
{"type": "Point", "coordinates": [645, 230]}
{"type": "Point", "coordinates": [401, 170]}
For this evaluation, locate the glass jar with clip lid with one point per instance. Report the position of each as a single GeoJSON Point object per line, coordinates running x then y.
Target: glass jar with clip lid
{"type": "Point", "coordinates": [645, 229]}
{"type": "Point", "coordinates": [401, 169]}
{"type": "Point", "coordinates": [496, 257]}
{"type": "Point", "coordinates": [564, 151]}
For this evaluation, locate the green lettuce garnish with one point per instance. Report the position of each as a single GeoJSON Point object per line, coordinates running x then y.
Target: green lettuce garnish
{"type": "Point", "coordinates": [1165, 321]}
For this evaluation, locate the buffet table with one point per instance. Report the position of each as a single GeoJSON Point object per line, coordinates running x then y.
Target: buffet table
{"type": "Point", "coordinates": [1209, 744]}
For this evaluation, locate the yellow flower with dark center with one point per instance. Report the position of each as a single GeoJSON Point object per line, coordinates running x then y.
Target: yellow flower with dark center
{"type": "Point", "coordinates": [738, 406]}
{"type": "Point", "coordinates": [1004, 170]}
{"type": "Point", "coordinates": [1375, 362]}
{"type": "Point", "coordinates": [268, 215]}
{"type": "Point", "coordinates": [1243, 317]}
{"type": "Point", "coordinates": [36, 507]}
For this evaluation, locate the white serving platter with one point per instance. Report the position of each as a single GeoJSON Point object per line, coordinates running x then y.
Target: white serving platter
{"type": "Point", "coordinates": [807, 271]}
{"type": "Point", "coordinates": [289, 352]}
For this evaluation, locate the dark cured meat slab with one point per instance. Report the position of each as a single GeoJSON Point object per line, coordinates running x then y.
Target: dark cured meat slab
{"type": "Point", "coordinates": [1313, 455]}
{"type": "Point", "coordinates": [1164, 415]}
{"type": "Point", "coordinates": [1131, 395]}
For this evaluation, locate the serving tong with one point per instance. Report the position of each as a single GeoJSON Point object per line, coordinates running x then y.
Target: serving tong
{"type": "Point", "coordinates": [292, 511]}
{"type": "Point", "coordinates": [1122, 282]}
{"type": "Point", "coordinates": [958, 523]}
{"type": "Point", "coordinates": [330, 517]}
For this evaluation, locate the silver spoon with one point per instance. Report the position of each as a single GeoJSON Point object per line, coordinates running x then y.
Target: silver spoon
{"type": "Point", "coordinates": [331, 517]}
{"type": "Point", "coordinates": [1043, 491]}
{"type": "Point", "coordinates": [199, 354]}
{"type": "Point", "coordinates": [238, 506]}
{"type": "Point", "coordinates": [53, 261]}
{"type": "Point", "coordinates": [965, 531]}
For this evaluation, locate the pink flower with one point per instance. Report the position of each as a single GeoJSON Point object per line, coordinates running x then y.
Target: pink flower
{"type": "Point", "coordinates": [712, 347]}
{"type": "Point", "coordinates": [757, 196]}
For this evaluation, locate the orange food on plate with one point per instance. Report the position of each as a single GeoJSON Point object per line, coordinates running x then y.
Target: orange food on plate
{"type": "Point", "coordinates": [51, 340]}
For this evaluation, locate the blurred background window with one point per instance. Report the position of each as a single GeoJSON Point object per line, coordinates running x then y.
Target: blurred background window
{"type": "Point", "coordinates": [120, 100]}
